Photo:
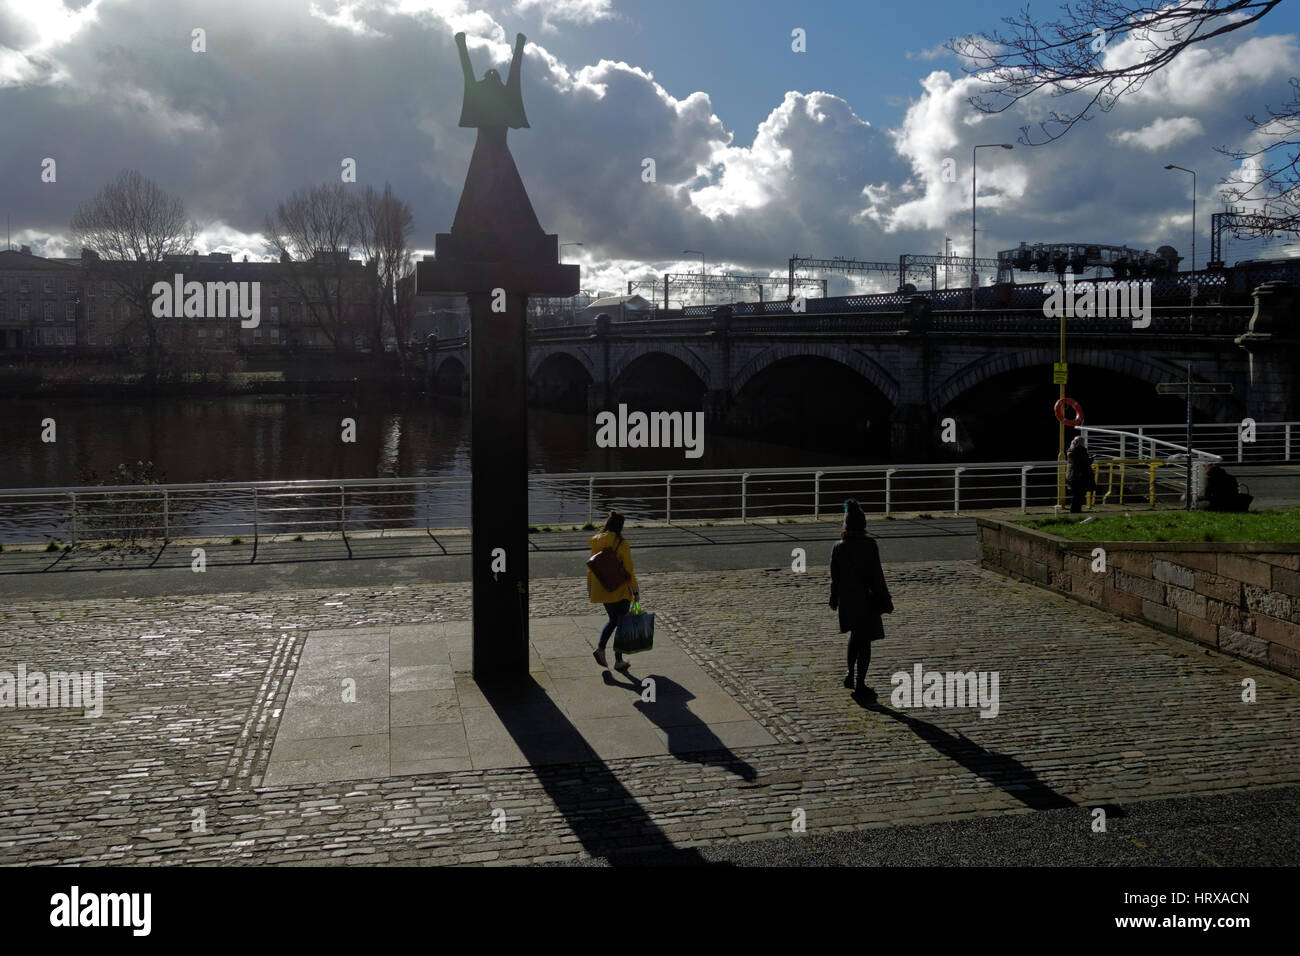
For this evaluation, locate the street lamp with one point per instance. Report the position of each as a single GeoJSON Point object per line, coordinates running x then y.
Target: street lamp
{"type": "Point", "coordinates": [972, 212]}
{"type": "Point", "coordinates": [1193, 172]}
{"type": "Point", "coordinates": [703, 290]}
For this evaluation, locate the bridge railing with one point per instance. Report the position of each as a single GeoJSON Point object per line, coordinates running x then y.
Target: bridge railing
{"type": "Point", "coordinates": [257, 511]}
{"type": "Point", "coordinates": [1165, 320]}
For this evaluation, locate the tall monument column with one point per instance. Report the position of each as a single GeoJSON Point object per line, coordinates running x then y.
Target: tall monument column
{"type": "Point", "coordinates": [497, 255]}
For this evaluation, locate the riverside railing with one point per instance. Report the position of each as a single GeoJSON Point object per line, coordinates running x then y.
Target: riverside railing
{"type": "Point", "coordinates": [1243, 442]}
{"type": "Point", "coordinates": [258, 511]}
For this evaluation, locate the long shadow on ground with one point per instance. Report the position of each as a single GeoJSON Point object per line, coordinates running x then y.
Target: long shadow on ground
{"type": "Point", "coordinates": [607, 819]}
{"type": "Point", "coordinates": [1002, 770]}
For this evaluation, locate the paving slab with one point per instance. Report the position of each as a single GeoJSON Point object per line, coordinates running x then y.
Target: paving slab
{"type": "Point", "coordinates": [418, 709]}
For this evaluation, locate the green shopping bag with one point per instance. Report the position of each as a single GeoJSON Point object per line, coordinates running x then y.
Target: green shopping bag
{"type": "Point", "coordinates": [636, 631]}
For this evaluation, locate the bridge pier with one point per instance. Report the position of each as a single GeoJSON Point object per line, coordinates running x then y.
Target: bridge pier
{"type": "Point", "coordinates": [1273, 342]}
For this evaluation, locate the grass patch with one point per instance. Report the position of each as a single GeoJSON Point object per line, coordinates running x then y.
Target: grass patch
{"type": "Point", "coordinates": [926, 517]}
{"type": "Point", "coordinates": [52, 546]}
{"type": "Point", "coordinates": [236, 540]}
{"type": "Point", "coordinates": [533, 529]}
{"type": "Point", "coordinates": [1176, 526]}
{"type": "Point", "coordinates": [297, 537]}
{"type": "Point", "coordinates": [588, 527]}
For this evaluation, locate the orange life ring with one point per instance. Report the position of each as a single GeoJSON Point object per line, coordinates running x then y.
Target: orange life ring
{"type": "Point", "coordinates": [1061, 405]}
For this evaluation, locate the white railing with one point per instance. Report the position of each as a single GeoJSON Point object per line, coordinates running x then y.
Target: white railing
{"type": "Point", "coordinates": [1232, 441]}
{"type": "Point", "coordinates": [1123, 447]}
{"type": "Point", "coordinates": [263, 510]}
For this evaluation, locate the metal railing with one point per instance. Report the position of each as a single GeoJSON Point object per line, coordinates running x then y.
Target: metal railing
{"type": "Point", "coordinates": [1232, 442]}
{"type": "Point", "coordinates": [258, 511]}
{"type": "Point", "coordinates": [1135, 451]}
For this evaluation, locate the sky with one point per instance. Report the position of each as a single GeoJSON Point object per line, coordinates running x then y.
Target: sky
{"type": "Point", "coordinates": [760, 151]}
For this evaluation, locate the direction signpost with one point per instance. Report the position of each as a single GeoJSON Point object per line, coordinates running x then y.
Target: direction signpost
{"type": "Point", "coordinates": [1190, 388]}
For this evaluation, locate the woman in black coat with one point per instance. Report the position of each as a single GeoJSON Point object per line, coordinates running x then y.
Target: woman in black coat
{"type": "Point", "coordinates": [1079, 479]}
{"type": "Point", "coordinates": [858, 592]}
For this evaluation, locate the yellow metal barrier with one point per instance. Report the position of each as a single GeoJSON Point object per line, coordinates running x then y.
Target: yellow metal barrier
{"type": "Point", "coordinates": [1121, 466]}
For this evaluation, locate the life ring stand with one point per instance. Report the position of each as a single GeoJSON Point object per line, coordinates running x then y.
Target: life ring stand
{"type": "Point", "coordinates": [1061, 405]}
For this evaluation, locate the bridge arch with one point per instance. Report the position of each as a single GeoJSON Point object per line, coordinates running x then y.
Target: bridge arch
{"type": "Point", "coordinates": [539, 356]}
{"type": "Point", "coordinates": [851, 358]}
{"type": "Point", "coordinates": [621, 362]}
{"type": "Point", "coordinates": [1133, 364]}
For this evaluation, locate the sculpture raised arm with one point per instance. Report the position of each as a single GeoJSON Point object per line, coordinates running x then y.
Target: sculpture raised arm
{"type": "Point", "coordinates": [489, 103]}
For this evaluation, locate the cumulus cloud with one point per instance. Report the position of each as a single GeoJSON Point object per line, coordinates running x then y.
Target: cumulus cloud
{"type": "Point", "coordinates": [286, 92]}
{"type": "Point", "coordinates": [1163, 132]}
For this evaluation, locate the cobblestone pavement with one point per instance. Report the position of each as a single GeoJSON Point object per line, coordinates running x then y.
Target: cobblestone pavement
{"type": "Point", "coordinates": [1093, 711]}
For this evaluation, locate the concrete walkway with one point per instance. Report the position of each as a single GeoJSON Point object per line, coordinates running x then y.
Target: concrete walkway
{"type": "Point", "coordinates": [397, 701]}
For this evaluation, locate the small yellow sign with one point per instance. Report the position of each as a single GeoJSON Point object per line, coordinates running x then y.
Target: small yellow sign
{"type": "Point", "coordinates": [1060, 373]}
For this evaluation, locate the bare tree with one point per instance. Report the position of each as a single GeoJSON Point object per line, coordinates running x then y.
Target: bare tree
{"type": "Point", "coordinates": [1269, 187]}
{"type": "Point", "coordinates": [132, 225]}
{"type": "Point", "coordinates": [383, 230]}
{"type": "Point", "coordinates": [1067, 58]}
{"type": "Point", "coordinates": [313, 231]}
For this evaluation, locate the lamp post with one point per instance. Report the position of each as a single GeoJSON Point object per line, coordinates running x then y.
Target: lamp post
{"type": "Point", "coordinates": [973, 152]}
{"type": "Point", "coordinates": [704, 295]}
{"type": "Point", "coordinates": [1193, 172]}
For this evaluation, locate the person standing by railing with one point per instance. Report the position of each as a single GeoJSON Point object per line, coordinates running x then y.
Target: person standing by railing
{"type": "Point", "coordinates": [1079, 479]}
{"type": "Point", "coordinates": [858, 592]}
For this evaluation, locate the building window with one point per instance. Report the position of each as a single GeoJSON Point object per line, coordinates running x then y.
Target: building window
{"type": "Point", "coordinates": [24, 312]}
{"type": "Point", "coordinates": [257, 332]}
{"type": "Point", "coordinates": [48, 286]}
{"type": "Point", "coordinates": [48, 310]}
{"type": "Point", "coordinates": [275, 313]}
{"type": "Point", "coordinates": [220, 334]}
{"type": "Point", "coordinates": [70, 312]}
{"type": "Point", "coordinates": [275, 335]}
{"type": "Point", "coordinates": [69, 286]}
{"type": "Point", "coordinates": [275, 290]}
{"type": "Point", "coordinates": [24, 286]}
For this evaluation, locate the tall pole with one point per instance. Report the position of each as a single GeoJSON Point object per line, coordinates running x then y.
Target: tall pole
{"type": "Point", "coordinates": [1193, 282]}
{"type": "Point", "coordinates": [703, 291]}
{"type": "Point", "coordinates": [1188, 493]}
{"type": "Point", "coordinates": [973, 277]}
{"type": "Point", "coordinates": [1060, 451]}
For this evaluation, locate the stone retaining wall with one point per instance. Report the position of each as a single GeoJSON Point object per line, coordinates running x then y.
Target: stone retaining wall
{"type": "Point", "coordinates": [1240, 598]}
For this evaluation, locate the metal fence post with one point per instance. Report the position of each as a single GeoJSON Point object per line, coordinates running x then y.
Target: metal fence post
{"type": "Point", "coordinates": [74, 518]}
{"type": "Point", "coordinates": [166, 523]}
{"type": "Point", "coordinates": [343, 512]}
{"type": "Point", "coordinates": [256, 522]}
{"type": "Point", "coordinates": [1287, 442]}
{"type": "Point", "coordinates": [888, 487]}
{"type": "Point", "coordinates": [591, 494]}
{"type": "Point", "coordinates": [744, 493]}
{"type": "Point", "coordinates": [1024, 487]}
{"type": "Point", "coordinates": [817, 495]}
{"type": "Point", "coordinates": [956, 490]}
{"type": "Point", "coordinates": [1238, 444]}
{"type": "Point", "coordinates": [668, 500]}
{"type": "Point", "coordinates": [1140, 443]}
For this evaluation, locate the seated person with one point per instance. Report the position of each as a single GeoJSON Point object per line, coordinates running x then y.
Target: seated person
{"type": "Point", "coordinates": [1222, 493]}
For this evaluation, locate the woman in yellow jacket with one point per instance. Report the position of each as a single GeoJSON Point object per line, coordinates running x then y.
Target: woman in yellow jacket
{"type": "Point", "coordinates": [617, 601]}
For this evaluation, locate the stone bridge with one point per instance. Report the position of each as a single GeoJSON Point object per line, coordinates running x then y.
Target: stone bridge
{"type": "Point", "coordinates": [885, 381]}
